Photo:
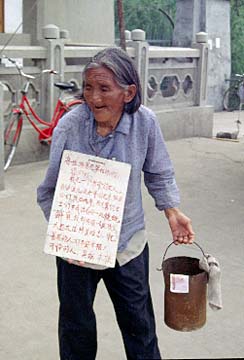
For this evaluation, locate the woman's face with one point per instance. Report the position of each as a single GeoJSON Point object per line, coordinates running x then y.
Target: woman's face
{"type": "Point", "coordinates": [104, 96]}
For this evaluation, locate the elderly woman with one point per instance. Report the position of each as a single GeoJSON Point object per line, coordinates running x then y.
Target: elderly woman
{"type": "Point", "coordinates": [112, 123]}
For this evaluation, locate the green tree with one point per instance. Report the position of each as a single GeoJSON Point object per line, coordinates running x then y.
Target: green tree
{"type": "Point", "coordinates": [237, 36]}
{"type": "Point", "coordinates": [149, 16]}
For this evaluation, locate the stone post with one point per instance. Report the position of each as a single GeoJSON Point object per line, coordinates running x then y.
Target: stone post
{"type": "Point", "coordinates": [127, 35]}
{"type": "Point", "coordinates": [141, 58]}
{"type": "Point", "coordinates": [190, 19]}
{"type": "Point", "coordinates": [54, 61]}
{"type": "Point", "coordinates": [212, 17]}
{"type": "Point", "coordinates": [202, 68]}
{"type": "Point", "coordinates": [1, 139]}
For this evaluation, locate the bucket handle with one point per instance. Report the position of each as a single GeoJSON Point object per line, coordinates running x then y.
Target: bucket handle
{"type": "Point", "coordinates": [172, 244]}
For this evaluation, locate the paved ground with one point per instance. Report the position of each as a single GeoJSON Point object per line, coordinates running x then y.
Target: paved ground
{"type": "Point", "coordinates": [210, 174]}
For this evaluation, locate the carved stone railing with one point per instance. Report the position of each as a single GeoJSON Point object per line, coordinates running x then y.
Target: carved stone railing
{"type": "Point", "coordinates": [172, 78]}
{"type": "Point", "coordinates": [1, 139]}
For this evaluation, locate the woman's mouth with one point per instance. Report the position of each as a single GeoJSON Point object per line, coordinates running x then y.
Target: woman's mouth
{"type": "Point", "coordinates": [99, 107]}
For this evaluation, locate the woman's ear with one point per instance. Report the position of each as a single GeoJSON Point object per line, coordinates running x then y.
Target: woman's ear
{"type": "Point", "coordinates": [130, 93]}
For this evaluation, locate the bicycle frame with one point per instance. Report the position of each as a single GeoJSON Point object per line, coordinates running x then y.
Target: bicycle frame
{"type": "Point", "coordinates": [26, 109]}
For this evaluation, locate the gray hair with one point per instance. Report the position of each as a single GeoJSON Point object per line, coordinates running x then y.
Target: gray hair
{"type": "Point", "coordinates": [123, 68]}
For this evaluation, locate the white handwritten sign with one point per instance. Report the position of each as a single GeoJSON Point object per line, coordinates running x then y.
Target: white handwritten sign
{"type": "Point", "coordinates": [87, 210]}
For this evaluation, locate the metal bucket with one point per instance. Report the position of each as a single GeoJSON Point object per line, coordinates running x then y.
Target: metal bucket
{"type": "Point", "coordinates": [185, 292]}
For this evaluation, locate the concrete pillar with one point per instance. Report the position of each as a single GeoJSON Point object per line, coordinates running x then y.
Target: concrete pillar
{"type": "Point", "coordinates": [212, 17]}
{"type": "Point", "coordinates": [55, 61]}
{"type": "Point", "coordinates": [202, 69]}
{"type": "Point", "coordinates": [88, 21]}
{"type": "Point", "coordinates": [190, 19]}
{"type": "Point", "coordinates": [141, 47]}
{"type": "Point", "coordinates": [218, 29]}
{"type": "Point", "coordinates": [1, 139]}
{"type": "Point", "coordinates": [30, 26]}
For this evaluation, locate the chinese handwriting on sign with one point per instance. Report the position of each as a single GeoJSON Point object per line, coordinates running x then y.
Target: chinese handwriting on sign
{"type": "Point", "coordinates": [87, 209]}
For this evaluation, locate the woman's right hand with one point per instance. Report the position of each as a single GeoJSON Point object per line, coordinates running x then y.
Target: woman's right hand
{"type": "Point", "coordinates": [75, 262]}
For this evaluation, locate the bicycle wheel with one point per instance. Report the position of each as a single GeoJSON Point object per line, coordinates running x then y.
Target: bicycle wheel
{"type": "Point", "coordinates": [231, 100]}
{"type": "Point", "coordinates": [12, 133]}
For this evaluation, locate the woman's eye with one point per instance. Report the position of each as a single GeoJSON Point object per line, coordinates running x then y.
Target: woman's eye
{"type": "Point", "coordinates": [87, 88]}
{"type": "Point", "coordinates": [104, 88]}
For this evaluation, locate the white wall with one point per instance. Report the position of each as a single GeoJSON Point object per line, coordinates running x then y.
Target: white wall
{"type": "Point", "coordinates": [88, 21]}
{"type": "Point", "coordinates": [12, 15]}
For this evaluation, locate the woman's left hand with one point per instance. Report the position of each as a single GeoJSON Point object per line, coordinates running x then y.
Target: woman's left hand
{"type": "Point", "coordinates": [180, 226]}
{"type": "Point", "coordinates": [75, 262]}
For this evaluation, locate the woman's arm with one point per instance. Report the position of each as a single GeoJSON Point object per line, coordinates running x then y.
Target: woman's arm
{"type": "Point", "coordinates": [46, 189]}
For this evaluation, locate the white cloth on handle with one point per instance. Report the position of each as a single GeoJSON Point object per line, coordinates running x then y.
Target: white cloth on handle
{"type": "Point", "coordinates": [209, 264]}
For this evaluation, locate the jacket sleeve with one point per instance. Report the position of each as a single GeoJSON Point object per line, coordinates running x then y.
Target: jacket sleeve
{"type": "Point", "coordinates": [46, 189]}
{"type": "Point", "coordinates": [158, 170]}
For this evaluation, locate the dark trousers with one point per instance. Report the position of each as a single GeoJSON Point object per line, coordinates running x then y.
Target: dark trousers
{"type": "Point", "coordinates": [129, 291]}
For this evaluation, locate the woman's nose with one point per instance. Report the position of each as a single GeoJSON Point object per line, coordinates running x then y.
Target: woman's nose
{"type": "Point", "coordinates": [96, 96]}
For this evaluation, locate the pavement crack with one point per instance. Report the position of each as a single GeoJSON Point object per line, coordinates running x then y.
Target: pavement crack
{"type": "Point", "coordinates": [214, 154]}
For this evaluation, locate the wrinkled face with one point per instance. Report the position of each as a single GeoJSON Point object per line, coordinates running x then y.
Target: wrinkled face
{"type": "Point", "coordinates": [104, 96]}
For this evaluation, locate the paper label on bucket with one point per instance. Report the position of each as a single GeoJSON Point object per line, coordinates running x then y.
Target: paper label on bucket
{"type": "Point", "coordinates": [179, 283]}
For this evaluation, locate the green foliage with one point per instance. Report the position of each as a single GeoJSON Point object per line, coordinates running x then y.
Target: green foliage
{"type": "Point", "coordinates": [144, 14]}
{"type": "Point", "coordinates": [237, 36]}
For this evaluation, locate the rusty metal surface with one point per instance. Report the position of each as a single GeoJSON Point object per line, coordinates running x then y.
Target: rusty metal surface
{"type": "Point", "coordinates": [185, 311]}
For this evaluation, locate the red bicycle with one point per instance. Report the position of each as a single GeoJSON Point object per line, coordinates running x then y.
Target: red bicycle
{"type": "Point", "coordinates": [24, 109]}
